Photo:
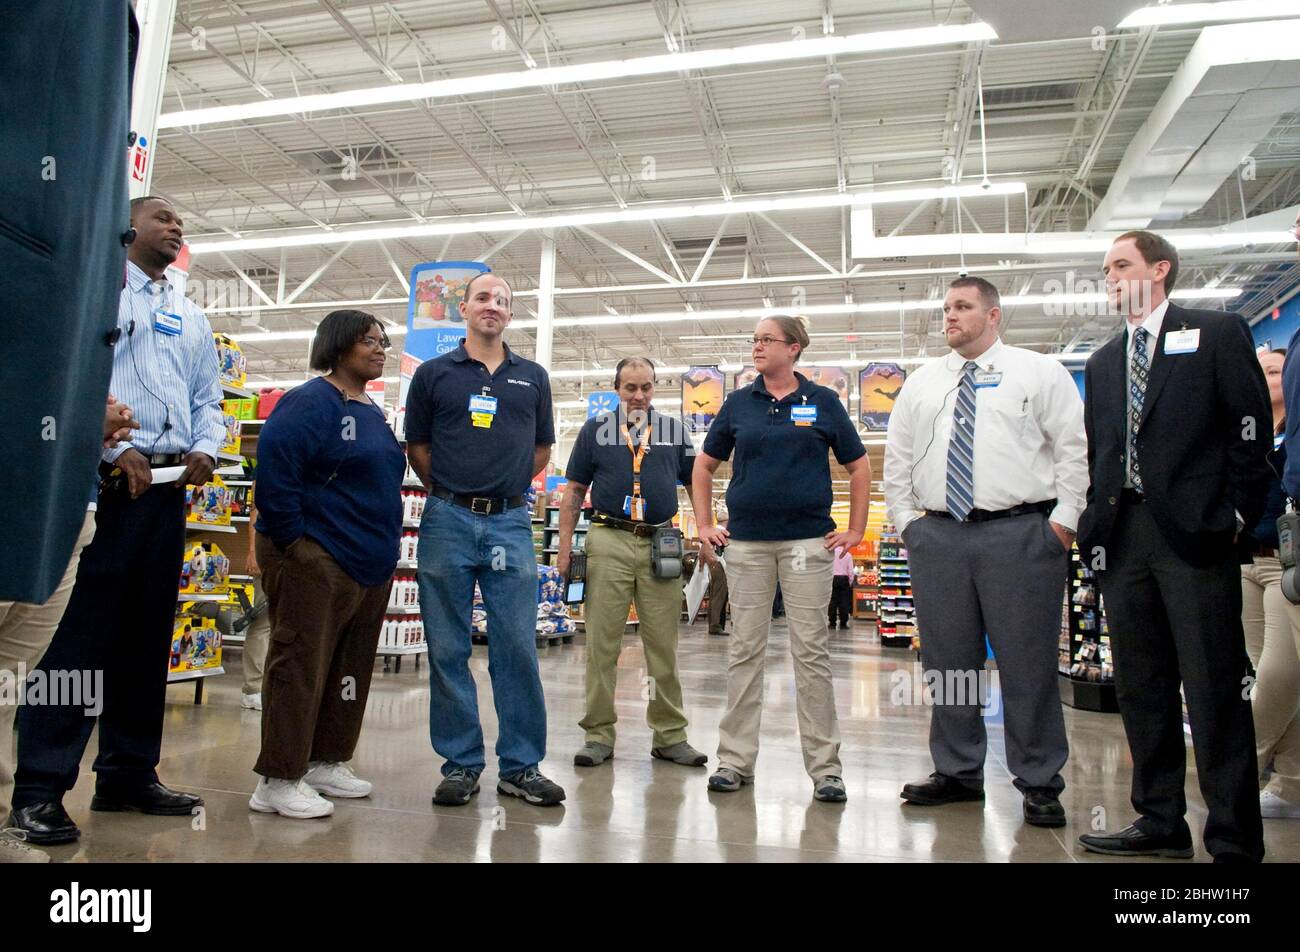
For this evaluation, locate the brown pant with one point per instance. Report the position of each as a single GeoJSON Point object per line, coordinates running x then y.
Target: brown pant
{"type": "Point", "coordinates": [324, 632]}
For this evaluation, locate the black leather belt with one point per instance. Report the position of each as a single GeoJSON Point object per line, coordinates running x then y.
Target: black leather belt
{"type": "Point", "coordinates": [165, 459]}
{"type": "Point", "coordinates": [627, 525]}
{"type": "Point", "coordinates": [1131, 497]}
{"type": "Point", "coordinates": [987, 515]}
{"type": "Point", "coordinates": [479, 505]}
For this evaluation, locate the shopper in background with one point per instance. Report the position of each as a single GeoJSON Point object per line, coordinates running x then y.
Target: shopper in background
{"type": "Point", "coordinates": [1272, 628]}
{"type": "Point", "coordinates": [25, 633]}
{"type": "Point", "coordinates": [782, 429]}
{"type": "Point", "coordinates": [120, 615]}
{"type": "Point", "coordinates": [329, 524]}
{"type": "Point", "coordinates": [841, 607]}
{"type": "Point", "coordinates": [1178, 425]}
{"type": "Point", "coordinates": [1291, 393]}
{"type": "Point", "coordinates": [985, 474]}
{"type": "Point", "coordinates": [257, 637]}
{"type": "Point", "coordinates": [717, 592]}
{"type": "Point", "coordinates": [478, 429]}
{"type": "Point", "coordinates": [632, 458]}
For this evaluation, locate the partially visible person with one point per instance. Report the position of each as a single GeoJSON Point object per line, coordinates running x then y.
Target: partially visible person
{"type": "Point", "coordinates": [329, 524]}
{"type": "Point", "coordinates": [25, 633]}
{"type": "Point", "coordinates": [840, 610]}
{"type": "Point", "coordinates": [1272, 627]}
{"type": "Point", "coordinates": [479, 427]}
{"type": "Point", "coordinates": [165, 369]}
{"type": "Point", "coordinates": [782, 430]}
{"type": "Point", "coordinates": [1291, 393]}
{"type": "Point", "coordinates": [258, 634]}
{"type": "Point", "coordinates": [632, 459]}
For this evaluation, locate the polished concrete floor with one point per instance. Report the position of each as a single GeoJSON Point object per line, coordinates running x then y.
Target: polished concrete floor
{"type": "Point", "coordinates": [632, 808]}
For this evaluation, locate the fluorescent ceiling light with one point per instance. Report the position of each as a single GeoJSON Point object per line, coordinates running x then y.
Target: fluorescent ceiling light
{"type": "Point", "coordinates": [1046, 244]}
{"type": "Point", "coordinates": [816, 48]}
{"type": "Point", "coordinates": [636, 213]}
{"type": "Point", "coordinates": [1169, 14]}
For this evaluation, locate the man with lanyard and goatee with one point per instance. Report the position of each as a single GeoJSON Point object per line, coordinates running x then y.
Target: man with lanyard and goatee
{"type": "Point", "coordinates": [632, 458]}
{"type": "Point", "coordinates": [119, 617]}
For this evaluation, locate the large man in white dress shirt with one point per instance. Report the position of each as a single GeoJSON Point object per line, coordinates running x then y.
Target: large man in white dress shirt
{"type": "Point", "coordinates": [985, 474]}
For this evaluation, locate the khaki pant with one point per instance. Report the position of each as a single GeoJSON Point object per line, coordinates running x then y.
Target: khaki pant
{"type": "Point", "coordinates": [618, 573]}
{"type": "Point", "coordinates": [1272, 626]}
{"type": "Point", "coordinates": [25, 633]}
{"type": "Point", "coordinates": [256, 642]}
{"type": "Point", "coordinates": [804, 568]}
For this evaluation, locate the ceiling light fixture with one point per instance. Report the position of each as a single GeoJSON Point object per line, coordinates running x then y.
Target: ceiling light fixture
{"type": "Point", "coordinates": [1228, 10]}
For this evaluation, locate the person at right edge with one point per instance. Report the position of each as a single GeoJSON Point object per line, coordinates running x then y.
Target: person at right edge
{"type": "Point", "coordinates": [1179, 428]}
{"type": "Point", "coordinates": [985, 473]}
{"type": "Point", "coordinates": [782, 428]}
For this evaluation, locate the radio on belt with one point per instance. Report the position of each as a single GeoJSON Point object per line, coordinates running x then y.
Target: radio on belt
{"type": "Point", "coordinates": [666, 552]}
{"type": "Point", "coordinates": [1288, 541]}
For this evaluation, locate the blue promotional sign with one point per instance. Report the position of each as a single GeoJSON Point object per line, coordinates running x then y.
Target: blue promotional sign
{"type": "Point", "coordinates": [601, 401]}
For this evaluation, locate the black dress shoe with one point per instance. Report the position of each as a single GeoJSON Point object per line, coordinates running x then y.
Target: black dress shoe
{"type": "Point", "coordinates": [938, 790]}
{"type": "Point", "coordinates": [45, 823]}
{"type": "Point", "coordinates": [1131, 841]}
{"type": "Point", "coordinates": [1043, 808]}
{"type": "Point", "coordinates": [153, 798]}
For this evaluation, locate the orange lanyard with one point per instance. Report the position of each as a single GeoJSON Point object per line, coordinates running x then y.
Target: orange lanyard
{"type": "Point", "coordinates": [638, 453]}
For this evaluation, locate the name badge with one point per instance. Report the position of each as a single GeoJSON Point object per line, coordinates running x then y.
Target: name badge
{"type": "Point", "coordinates": [167, 323]}
{"type": "Point", "coordinates": [804, 414]}
{"type": "Point", "coordinates": [987, 378]}
{"type": "Point", "coordinates": [482, 410]}
{"type": "Point", "coordinates": [1183, 342]}
{"type": "Point", "coordinates": [634, 508]}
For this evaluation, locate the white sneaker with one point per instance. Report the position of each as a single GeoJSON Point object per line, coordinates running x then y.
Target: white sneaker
{"type": "Point", "coordinates": [14, 850]}
{"type": "Point", "coordinates": [1273, 807]}
{"type": "Point", "coordinates": [291, 798]}
{"type": "Point", "coordinates": [336, 780]}
{"type": "Point", "coordinates": [250, 702]}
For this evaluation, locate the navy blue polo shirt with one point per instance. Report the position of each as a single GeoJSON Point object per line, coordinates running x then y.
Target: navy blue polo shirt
{"type": "Point", "coordinates": [781, 477]}
{"type": "Point", "coordinates": [494, 461]}
{"type": "Point", "coordinates": [602, 460]}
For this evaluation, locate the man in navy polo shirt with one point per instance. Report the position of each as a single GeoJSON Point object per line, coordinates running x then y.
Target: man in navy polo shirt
{"type": "Point", "coordinates": [478, 428]}
{"type": "Point", "coordinates": [632, 458]}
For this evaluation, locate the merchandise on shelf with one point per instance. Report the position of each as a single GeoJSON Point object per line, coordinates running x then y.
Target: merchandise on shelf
{"type": "Point", "coordinates": [897, 610]}
{"type": "Point", "coordinates": [205, 570]}
{"type": "Point", "coordinates": [412, 506]}
{"type": "Point", "coordinates": [552, 611]}
{"type": "Point", "coordinates": [267, 398]}
{"type": "Point", "coordinates": [401, 633]}
{"type": "Point", "coordinates": [196, 643]}
{"type": "Point", "coordinates": [409, 547]}
{"type": "Point", "coordinates": [1084, 653]}
{"type": "Point", "coordinates": [404, 595]}
{"type": "Point", "coordinates": [234, 428]}
{"type": "Point", "coordinates": [243, 408]}
{"type": "Point", "coordinates": [209, 504]}
{"type": "Point", "coordinates": [241, 500]}
{"type": "Point", "coordinates": [231, 362]}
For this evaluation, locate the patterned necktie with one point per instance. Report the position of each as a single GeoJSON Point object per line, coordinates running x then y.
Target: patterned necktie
{"type": "Point", "coordinates": [961, 448]}
{"type": "Point", "coordinates": [1137, 390]}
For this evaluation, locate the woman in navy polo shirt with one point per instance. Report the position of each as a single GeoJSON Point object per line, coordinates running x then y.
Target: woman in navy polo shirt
{"type": "Point", "coordinates": [781, 428]}
{"type": "Point", "coordinates": [329, 526]}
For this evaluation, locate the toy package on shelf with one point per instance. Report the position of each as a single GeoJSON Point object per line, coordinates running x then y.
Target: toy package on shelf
{"type": "Point", "coordinates": [478, 617]}
{"type": "Point", "coordinates": [241, 408]}
{"type": "Point", "coordinates": [232, 365]}
{"type": "Point", "coordinates": [209, 504]}
{"type": "Point", "coordinates": [205, 570]}
{"type": "Point", "coordinates": [234, 430]}
{"type": "Point", "coordinates": [241, 500]}
{"type": "Point", "coordinates": [552, 611]}
{"type": "Point", "coordinates": [196, 643]}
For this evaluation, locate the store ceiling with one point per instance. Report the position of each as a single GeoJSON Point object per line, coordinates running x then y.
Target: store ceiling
{"type": "Point", "coordinates": [1059, 116]}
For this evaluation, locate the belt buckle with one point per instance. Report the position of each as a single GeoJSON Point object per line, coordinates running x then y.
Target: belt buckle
{"type": "Point", "coordinates": [487, 505]}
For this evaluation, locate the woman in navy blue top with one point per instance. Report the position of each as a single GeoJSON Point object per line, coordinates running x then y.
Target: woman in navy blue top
{"type": "Point", "coordinates": [329, 482]}
{"type": "Point", "coordinates": [781, 429]}
{"type": "Point", "coordinates": [1272, 626]}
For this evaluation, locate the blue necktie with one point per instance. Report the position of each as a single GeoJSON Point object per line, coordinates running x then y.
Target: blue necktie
{"type": "Point", "coordinates": [1137, 389]}
{"type": "Point", "coordinates": [961, 448]}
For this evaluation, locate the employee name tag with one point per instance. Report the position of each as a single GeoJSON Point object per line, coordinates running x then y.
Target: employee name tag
{"type": "Point", "coordinates": [1183, 342]}
{"type": "Point", "coordinates": [634, 507]}
{"type": "Point", "coordinates": [1278, 441]}
{"type": "Point", "coordinates": [987, 378]}
{"type": "Point", "coordinates": [482, 410]}
{"type": "Point", "coordinates": [803, 415]}
{"type": "Point", "coordinates": [167, 323]}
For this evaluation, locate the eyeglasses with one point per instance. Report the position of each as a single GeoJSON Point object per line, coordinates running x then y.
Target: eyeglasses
{"type": "Point", "coordinates": [769, 341]}
{"type": "Point", "coordinates": [376, 343]}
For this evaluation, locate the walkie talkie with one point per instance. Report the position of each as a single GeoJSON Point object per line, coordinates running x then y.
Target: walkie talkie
{"type": "Point", "coordinates": [576, 583]}
{"type": "Point", "coordinates": [1288, 539]}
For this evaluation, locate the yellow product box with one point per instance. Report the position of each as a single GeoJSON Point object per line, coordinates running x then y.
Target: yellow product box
{"type": "Point", "coordinates": [209, 504]}
{"type": "Point", "coordinates": [205, 570]}
{"type": "Point", "coordinates": [196, 645]}
{"type": "Point", "coordinates": [231, 362]}
{"type": "Point", "coordinates": [234, 429]}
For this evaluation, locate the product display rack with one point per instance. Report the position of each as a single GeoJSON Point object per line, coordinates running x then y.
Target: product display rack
{"type": "Point", "coordinates": [1084, 660]}
{"type": "Point", "coordinates": [866, 595]}
{"type": "Point", "coordinates": [897, 611]}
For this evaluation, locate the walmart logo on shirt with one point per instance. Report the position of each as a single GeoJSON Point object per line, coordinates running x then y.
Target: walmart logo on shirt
{"type": "Point", "coordinates": [522, 383]}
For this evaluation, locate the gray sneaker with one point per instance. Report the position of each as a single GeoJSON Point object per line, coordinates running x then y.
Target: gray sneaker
{"type": "Point", "coordinates": [456, 788]}
{"type": "Point", "coordinates": [727, 780]}
{"type": "Point", "coordinates": [830, 790]}
{"type": "Point", "coordinates": [531, 786]}
{"type": "Point", "coordinates": [14, 848]}
{"type": "Point", "coordinates": [593, 754]}
{"type": "Point", "coordinates": [681, 753]}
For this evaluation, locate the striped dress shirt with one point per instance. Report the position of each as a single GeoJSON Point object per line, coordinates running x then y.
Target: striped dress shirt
{"type": "Point", "coordinates": [171, 382]}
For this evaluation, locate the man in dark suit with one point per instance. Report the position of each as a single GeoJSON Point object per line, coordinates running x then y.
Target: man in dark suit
{"type": "Point", "coordinates": [1179, 426]}
{"type": "Point", "coordinates": [65, 72]}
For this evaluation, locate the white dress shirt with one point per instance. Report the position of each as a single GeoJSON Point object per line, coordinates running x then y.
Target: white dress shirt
{"type": "Point", "coordinates": [1030, 444]}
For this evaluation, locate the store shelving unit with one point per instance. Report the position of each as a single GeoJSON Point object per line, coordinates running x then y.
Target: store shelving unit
{"type": "Point", "coordinates": [1086, 675]}
{"type": "Point", "coordinates": [897, 610]}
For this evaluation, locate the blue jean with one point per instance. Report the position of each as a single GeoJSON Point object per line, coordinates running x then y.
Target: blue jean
{"type": "Point", "coordinates": [458, 548]}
